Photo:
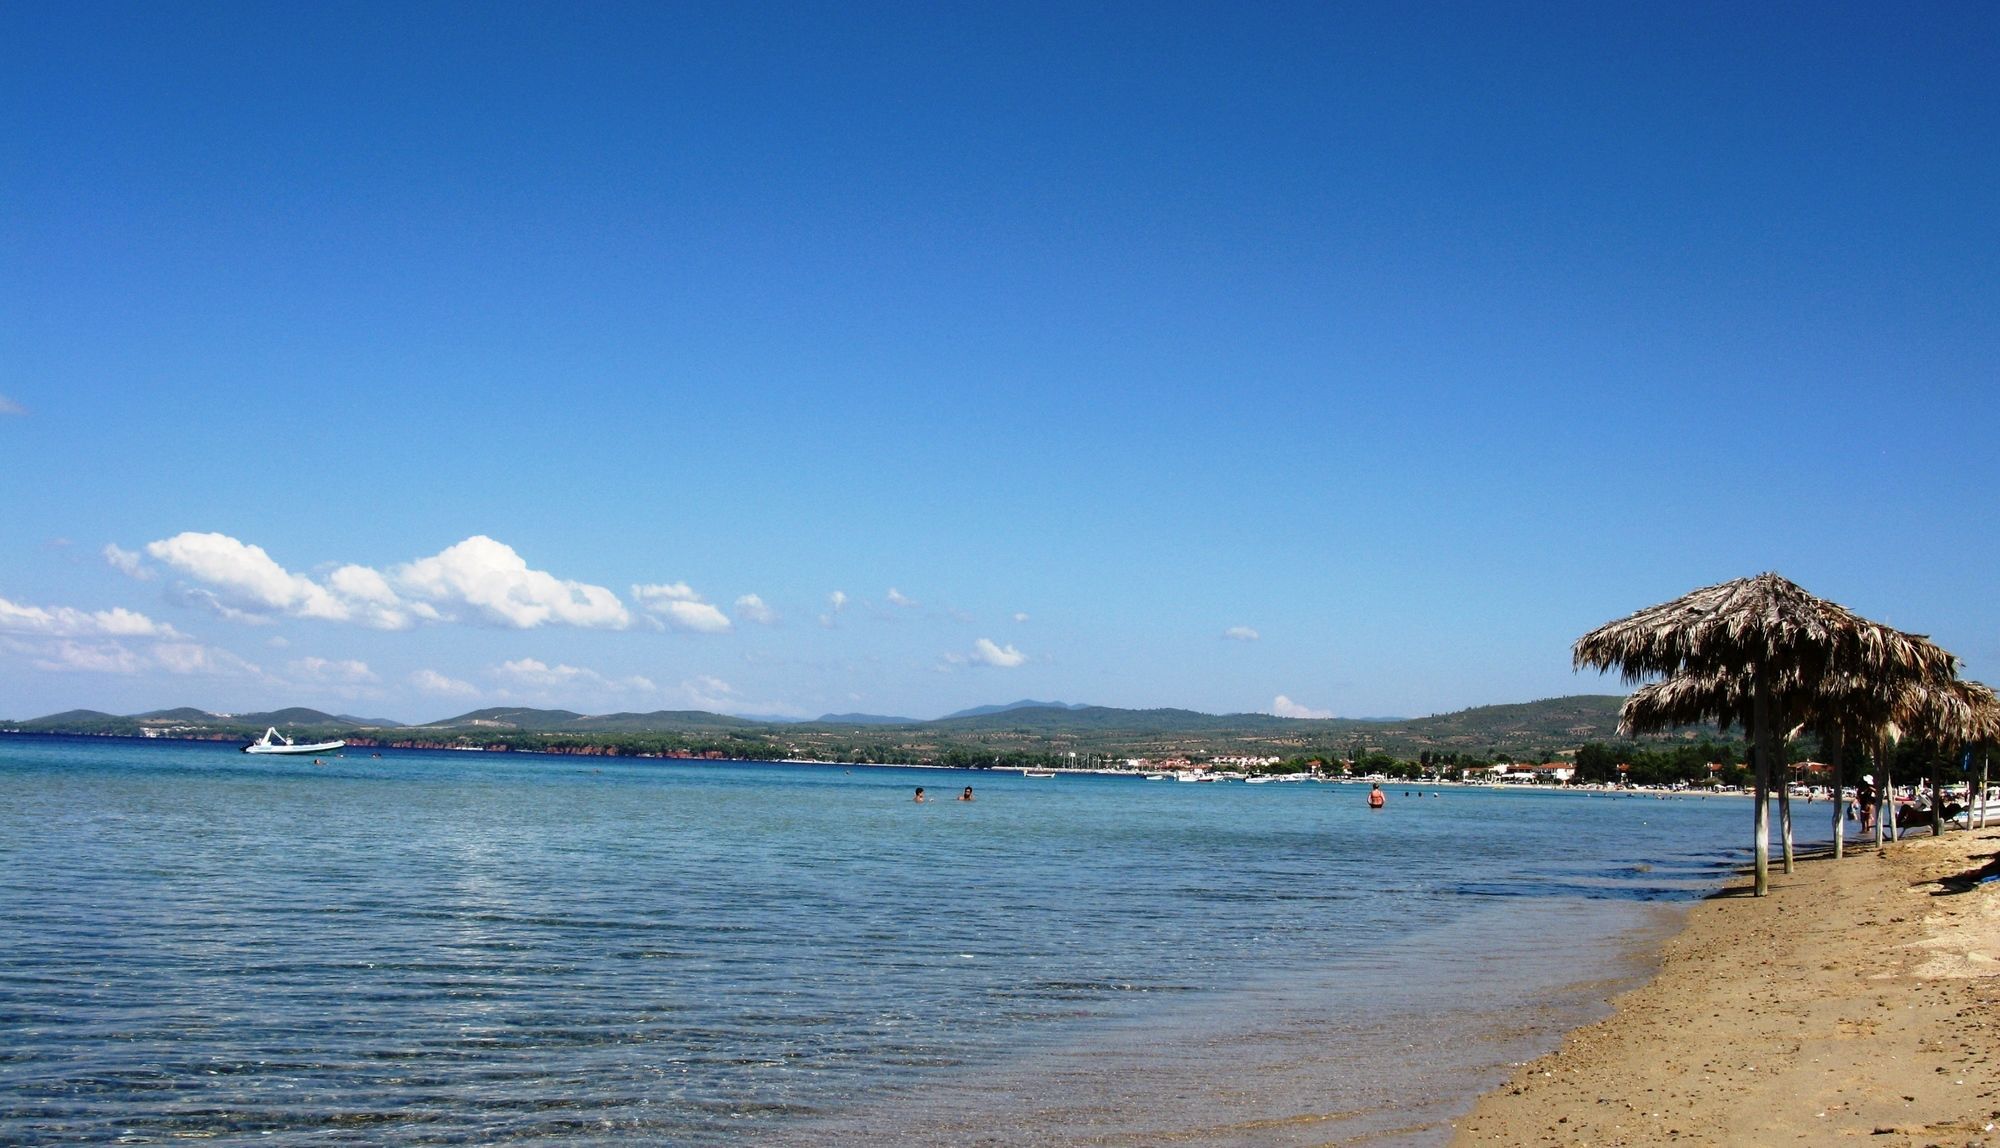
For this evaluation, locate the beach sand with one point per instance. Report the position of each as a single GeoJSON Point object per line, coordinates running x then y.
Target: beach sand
{"type": "Point", "coordinates": [1854, 1004]}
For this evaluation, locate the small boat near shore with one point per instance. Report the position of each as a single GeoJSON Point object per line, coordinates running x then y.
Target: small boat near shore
{"type": "Point", "coordinates": [1038, 773]}
{"type": "Point", "coordinates": [275, 742]}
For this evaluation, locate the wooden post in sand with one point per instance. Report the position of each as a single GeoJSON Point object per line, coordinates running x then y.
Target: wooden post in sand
{"type": "Point", "coordinates": [1785, 808]}
{"type": "Point", "coordinates": [1881, 766]}
{"type": "Point", "coordinates": [1833, 753]}
{"type": "Point", "coordinates": [1983, 762]}
{"type": "Point", "coordinates": [1762, 740]}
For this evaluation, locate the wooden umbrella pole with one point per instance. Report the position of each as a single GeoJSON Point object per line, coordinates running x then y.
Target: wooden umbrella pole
{"type": "Point", "coordinates": [1983, 802]}
{"type": "Point", "coordinates": [1785, 809]}
{"type": "Point", "coordinates": [1833, 753]}
{"type": "Point", "coordinates": [1760, 717]}
{"type": "Point", "coordinates": [1983, 762]}
{"type": "Point", "coordinates": [1937, 796]}
{"type": "Point", "coordinates": [1882, 767]}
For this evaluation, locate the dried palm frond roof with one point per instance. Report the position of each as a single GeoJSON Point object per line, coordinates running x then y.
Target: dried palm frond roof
{"type": "Point", "coordinates": [1850, 705]}
{"type": "Point", "coordinates": [1687, 699]}
{"type": "Point", "coordinates": [1951, 713]}
{"type": "Point", "coordinates": [1766, 621]}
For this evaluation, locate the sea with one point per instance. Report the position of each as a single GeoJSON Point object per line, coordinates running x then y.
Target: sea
{"type": "Point", "coordinates": [487, 948]}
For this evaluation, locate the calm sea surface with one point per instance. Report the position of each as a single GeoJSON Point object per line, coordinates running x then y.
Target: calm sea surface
{"type": "Point", "coordinates": [470, 948]}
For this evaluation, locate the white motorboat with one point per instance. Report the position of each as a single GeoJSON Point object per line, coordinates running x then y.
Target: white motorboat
{"type": "Point", "coordinates": [275, 742]}
{"type": "Point", "coordinates": [1038, 773]}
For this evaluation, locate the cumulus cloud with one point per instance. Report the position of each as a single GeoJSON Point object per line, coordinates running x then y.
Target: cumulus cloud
{"type": "Point", "coordinates": [985, 652]}
{"type": "Point", "coordinates": [1241, 634]}
{"type": "Point", "coordinates": [497, 584]}
{"type": "Point", "coordinates": [537, 674]}
{"type": "Point", "coordinates": [248, 575]}
{"type": "Point", "coordinates": [485, 578]}
{"type": "Point", "coordinates": [835, 603]}
{"type": "Point", "coordinates": [123, 656]}
{"type": "Point", "coordinates": [204, 599]}
{"type": "Point", "coordinates": [195, 658]}
{"type": "Point", "coordinates": [899, 599]}
{"type": "Point", "coordinates": [127, 562]}
{"type": "Point", "coordinates": [754, 609]}
{"type": "Point", "coordinates": [1283, 706]}
{"type": "Point", "coordinates": [710, 693]}
{"type": "Point", "coordinates": [432, 682]}
{"type": "Point", "coordinates": [682, 608]}
{"type": "Point", "coordinates": [65, 655]}
{"type": "Point", "coordinates": [68, 622]}
{"type": "Point", "coordinates": [332, 671]}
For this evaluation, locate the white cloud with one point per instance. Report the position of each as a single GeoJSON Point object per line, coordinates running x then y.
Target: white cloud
{"type": "Point", "coordinates": [128, 562]}
{"type": "Point", "coordinates": [682, 607]}
{"type": "Point", "coordinates": [1020, 617]}
{"type": "Point", "coordinates": [339, 672]}
{"type": "Point", "coordinates": [754, 609]}
{"type": "Point", "coordinates": [717, 696]}
{"type": "Point", "coordinates": [537, 674]}
{"type": "Point", "coordinates": [208, 600]}
{"type": "Point", "coordinates": [241, 582]}
{"type": "Point", "coordinates": [496, 582]}
{"type": "Point", "coordinates": [247, 575]}
{"type": "Point", "coordinates": [432, 682]}
{"type": "Point", "coordinates": [898, 598]}
{"type": "Point", "coordinates": [10, 407]}
{"type": "Point", "coordinates": [836, 602]}
{"type": "Point", "coordinates": [1004, 657]}
{"type": "Point", "coordinates": [1283, 706]}
{"type": "Point", "coordinates": [195, 658]}
{"type": "Point", "coordinates": [1241, 634]}
{"type": "Point", "coordinates": [68, 622]}
{"type": "Point", "coordinates": [65, 655]}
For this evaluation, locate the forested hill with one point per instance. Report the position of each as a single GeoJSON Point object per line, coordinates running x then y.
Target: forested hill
{"type": "Point", "coordinates": [1021, 732]}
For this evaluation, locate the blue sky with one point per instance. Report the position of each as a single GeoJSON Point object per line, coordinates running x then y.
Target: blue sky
{"type": "Point", "coordinates": [398, 359]}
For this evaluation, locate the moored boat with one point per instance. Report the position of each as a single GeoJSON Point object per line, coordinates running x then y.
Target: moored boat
{"type": "Point", "coordinates": [275, 742]}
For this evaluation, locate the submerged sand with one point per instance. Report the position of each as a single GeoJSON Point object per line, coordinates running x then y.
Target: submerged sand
{"type": "Point", "coordinates": [1854, 1004]}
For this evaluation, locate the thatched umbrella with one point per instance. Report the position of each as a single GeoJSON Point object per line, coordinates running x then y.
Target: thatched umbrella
{"type": "Point", "coordinates": [1950, 715]}
{"type": "Point", "coordinates": [1764, 630]}
{"type": "Point", "coordinates": [1725, 697]}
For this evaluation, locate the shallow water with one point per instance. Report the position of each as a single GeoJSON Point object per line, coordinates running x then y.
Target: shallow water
{"type": "Point", "coordinates": [467, 948]}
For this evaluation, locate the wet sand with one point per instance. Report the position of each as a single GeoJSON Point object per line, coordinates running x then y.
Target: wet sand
{"type": "Point", "coordinates": [1854, 1004]}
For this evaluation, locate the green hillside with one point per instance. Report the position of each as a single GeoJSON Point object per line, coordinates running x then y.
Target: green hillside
{"type": "Point", "coordinates": [1034, 733]}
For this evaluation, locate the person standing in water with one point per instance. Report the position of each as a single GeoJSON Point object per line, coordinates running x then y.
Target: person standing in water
{"type": "Point", "coordinates": [1376, 798]}
{"type": "Point", "coordinates": [919, 798]}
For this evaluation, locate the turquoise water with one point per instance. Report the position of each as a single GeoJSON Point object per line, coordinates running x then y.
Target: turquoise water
{"type": "Point", "coordinates": [470, 948]}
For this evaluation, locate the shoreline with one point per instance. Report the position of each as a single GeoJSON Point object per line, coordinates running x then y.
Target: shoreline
{"type": "Point", "coordinates": [1856, 1001]}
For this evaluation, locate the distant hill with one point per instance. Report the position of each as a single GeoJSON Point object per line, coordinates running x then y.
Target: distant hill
{"type": "Point", "coordinates": [982, 736]}
{"type": "Point", "coordinates": [862, 719]}
{"type": "Point", "coordinates": [1023, 704]}
{"type": "Point", "coordinates": [508, 717]}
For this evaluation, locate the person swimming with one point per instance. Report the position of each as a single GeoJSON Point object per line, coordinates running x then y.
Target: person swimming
{"type": "Point", "coordinates": [1376, 798]}
{"type": "Point", "coordinates": [967, 795]}
{"type": "Point", "coordinates": [919, 798]}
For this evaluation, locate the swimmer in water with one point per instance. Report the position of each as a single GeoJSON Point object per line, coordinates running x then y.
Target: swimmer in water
{"type": "Point", "coordinates": [919, 798]}
{"type": "Point", "coordinates": [1376, 798]}
{"type": "Point", "coordinates": [967, 795]}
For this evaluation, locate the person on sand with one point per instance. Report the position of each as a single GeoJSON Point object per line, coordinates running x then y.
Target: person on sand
{"type": "Point", "coordinates": [1376, 798]}
{"type": "Point", "coordinates": [1865, 798]}
{"type": "Point", "coordinates": [919, 798]}
{"type": "Point", "coordinates": [967, 795]}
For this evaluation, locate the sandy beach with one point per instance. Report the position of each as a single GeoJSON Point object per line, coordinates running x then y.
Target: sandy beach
{"type": "Point", "coordinates": [1855, 1004]}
